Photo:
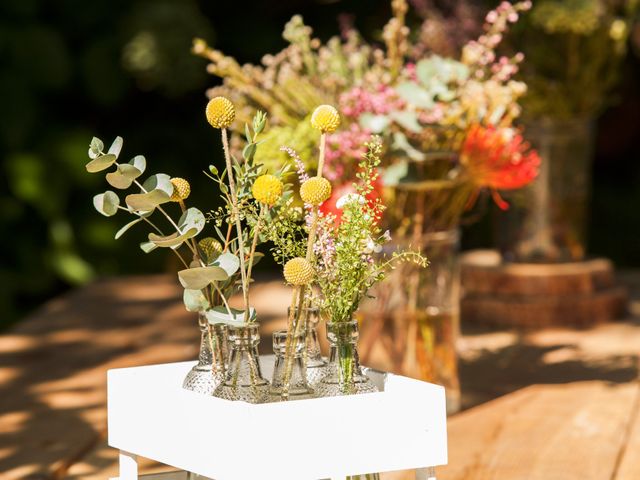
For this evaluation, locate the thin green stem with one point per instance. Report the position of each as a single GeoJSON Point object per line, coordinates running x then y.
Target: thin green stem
{"type": "Point", "coordinates": [254, 244]}
{"type": "Point", "coordinates": [236, 214]}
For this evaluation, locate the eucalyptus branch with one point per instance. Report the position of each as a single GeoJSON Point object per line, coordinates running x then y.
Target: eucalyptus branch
{"type": "Point", "coordinates": [161, 210]}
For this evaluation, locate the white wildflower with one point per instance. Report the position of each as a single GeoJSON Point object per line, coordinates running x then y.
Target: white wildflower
{"type": "Point", "coordinates": [349, 198]}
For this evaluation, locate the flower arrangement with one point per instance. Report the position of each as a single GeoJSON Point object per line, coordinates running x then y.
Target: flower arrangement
{"type": "Point", "coordinates": [336, 258]}
{"type": "Point", "coordinates": [420, 102]}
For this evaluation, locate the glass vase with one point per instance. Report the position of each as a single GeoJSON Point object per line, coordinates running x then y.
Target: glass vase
{"type": "Point", "coordinates": [316, 364]}
{"type": "Point", "coordinates": [413, 323]}
{"type": "Point", "coordinates": [344, 375]}
{"type": "Point", "coordinates": [244, 380]}
{"type": "Point", "coordinates": [209, 372]}
{"type": "Point", "coordinates": [298, 387]}
{"type": "Point", "coordinates": [546, 222]}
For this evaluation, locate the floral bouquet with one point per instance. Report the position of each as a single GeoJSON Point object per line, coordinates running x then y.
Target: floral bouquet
{"type": "Point", "coordinates": [422, 104]}
{"type": "Point", "coordinates": [329, 261]}
{"type": "Point", "coordinates": [446, 124]}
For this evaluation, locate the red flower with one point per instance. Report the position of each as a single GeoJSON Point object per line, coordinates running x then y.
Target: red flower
{"type": "Point", "coordinates": [499, 159]}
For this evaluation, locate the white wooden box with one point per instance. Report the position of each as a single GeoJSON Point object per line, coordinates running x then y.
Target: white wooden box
{"type": "Point", "coordinates": [151, 415]}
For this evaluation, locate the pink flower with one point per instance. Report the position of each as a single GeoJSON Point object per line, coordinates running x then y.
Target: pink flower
{"type": "Point", "coordinates": [342, 147]}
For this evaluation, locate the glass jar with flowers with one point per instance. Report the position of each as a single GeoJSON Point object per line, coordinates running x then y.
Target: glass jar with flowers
{"type": "Point", "coordinates": [215, 267]}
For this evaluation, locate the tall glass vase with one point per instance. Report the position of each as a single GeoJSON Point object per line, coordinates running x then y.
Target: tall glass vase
{"type": "Point", "coordinates": [344, 375]}
{"type": "Point", "coordinates": [413, 323]}
{"type": "Point", "coordinates": [547, 221]}
{"type": "Point", "coordinates": [209, 372]}
{"type": "Point", "coordinates": [244, 380]}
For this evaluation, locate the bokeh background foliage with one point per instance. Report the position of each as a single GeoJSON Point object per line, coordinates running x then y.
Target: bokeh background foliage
{"type": "Point", "coordinates": [71, 69]}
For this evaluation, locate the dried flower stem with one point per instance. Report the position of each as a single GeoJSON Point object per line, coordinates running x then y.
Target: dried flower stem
{"type": "Point", "coordinates": [295, 314]}
{"type": "Point", "coordinates": [254, 244]}
{"type": "Point", "coordinates": [236, 214]}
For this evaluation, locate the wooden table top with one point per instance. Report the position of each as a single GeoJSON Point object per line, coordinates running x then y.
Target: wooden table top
{"type": "Point", "coordinates": [554, 404]}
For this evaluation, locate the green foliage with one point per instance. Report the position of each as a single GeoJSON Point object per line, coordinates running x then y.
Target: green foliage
{"type": "Point", "coordinates": [349, 261]}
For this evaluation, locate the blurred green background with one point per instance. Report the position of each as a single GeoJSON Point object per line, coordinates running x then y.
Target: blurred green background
{"type": "Point", "coordinates": [71, 69]}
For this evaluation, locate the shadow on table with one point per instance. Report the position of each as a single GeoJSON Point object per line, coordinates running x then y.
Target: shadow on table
{"type": "Point", "coordinates": [516, 360]}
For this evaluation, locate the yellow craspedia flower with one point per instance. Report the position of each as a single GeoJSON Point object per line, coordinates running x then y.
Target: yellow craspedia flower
{"type": "Point", "coordinates": [267, 189]}
{"type": "Point", "coordinates": [220, 112]}
{"type": "Point", "coordinates": [325, 118]}
{"type": "Point", "coordinates": [315, 190]}
{"type": "Point", "coordinates": [181, 189]}
{"type": "Point", "coordinates": [298, 271]}
{"type": "Point", "coordinates": [211, 247]}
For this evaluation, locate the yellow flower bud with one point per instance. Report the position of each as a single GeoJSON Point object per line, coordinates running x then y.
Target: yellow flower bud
{"type": "Point", "coordinates": [325, 118]}
{"type": "Point", "coordinates": [298, 271]}
{"type": "Point", "coordinates": [267, 189]}
{"type": "Point", "coordinates": [220, 112]}
{"type": "Point", "coordinates": [315, 190]}
{"type": "Point", "coordinates": [211, 247]}
{"type": "Point", "coordinates": [181, 189]}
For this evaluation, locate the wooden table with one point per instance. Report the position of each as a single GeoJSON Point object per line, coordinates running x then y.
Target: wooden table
{"type": "Point", "coordinates": [556, 404]}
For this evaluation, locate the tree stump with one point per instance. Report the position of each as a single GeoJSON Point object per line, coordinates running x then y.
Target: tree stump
{"type": "Point", "coordinates": [527, 295]}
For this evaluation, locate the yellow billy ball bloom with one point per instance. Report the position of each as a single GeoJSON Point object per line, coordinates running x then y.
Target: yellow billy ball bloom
{"type": "Point", "coordinates": [315, 191]}
{"type": "Point", "coordinates": [181, 189]}
{"type": "Point", "coordinates": [325, 118]}
{"type": "Point", "coordinates": [298, 271]}
{"type": "Point", "coordinates": [210, 247]}
{"type": "Point", "coordinates": [267, 189]}
{"type": "Point", "coordinates": [220, 112]}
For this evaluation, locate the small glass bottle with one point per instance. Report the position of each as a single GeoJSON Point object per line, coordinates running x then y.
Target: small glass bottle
{"type": "Point", "coordinates": [344, 376]}
{"type": "Point", "coordinates": [209, 372]}
{"type": "Point", "coordinates": [298, 387]}
{"type": "Point", "coordinates": [244, 380]}
{"type": "Point", "coordinates": [316, 364]}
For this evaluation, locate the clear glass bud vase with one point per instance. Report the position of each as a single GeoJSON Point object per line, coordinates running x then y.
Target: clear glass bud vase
{"type": "Point", "coordinates": [209, 372]}
{"type": "Point", "coordinates": [244, 380]}
{"type": "Point", "coordinates": [298, 387]}
{"type": "Point", "coordinates": [344, 376]}
{"type": "Point", "coordinates": [316, 365]}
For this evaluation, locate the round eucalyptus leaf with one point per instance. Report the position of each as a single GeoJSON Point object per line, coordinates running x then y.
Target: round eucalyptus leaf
{"type": "Point", "coordinates": [122, 231]}
{"type": "Point", "coordinates": [227, 261]}
{"type": "Point", "coordinates": [220, 314]}
{"type": "Point", "coordinates": [374, 123]}
{"type": "Point", "coordinates": [146, 201]}
{"type": "Point", "coordinates": [194, 300]}
{"type": "Point", "coordinates": [159, 181]}
{"type": "Point", "coordinates": [95, 147]}
{"type": "Point", "coordinates": [100, 163]}
{"type": "Point", "coordinates": [123, 177]}
{"type": "Point", "coordinates": [139, 162]}
{"type": "Point", "coordinates": [169, 241]}
{"type": "Point", "coordinates": [146, 247]}
{"type": "Point", "coordinates": [199, 277]}
{"type": "Point", "coordinates": [106, 203]}
{"type": "Point", "coordinates": [193, 221]}
{"type": "Point", "coordinates": [407, 120]}
{"type": "Point", "coordinates": [116, 147]}
{"type": "Point", "coordinates": [415, 95]}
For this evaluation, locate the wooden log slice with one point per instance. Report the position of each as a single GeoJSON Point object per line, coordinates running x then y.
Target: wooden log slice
{"type": "Point", "coordinates": [579, 310]}
{"type": "Point", "coordinates": [484, 273]}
